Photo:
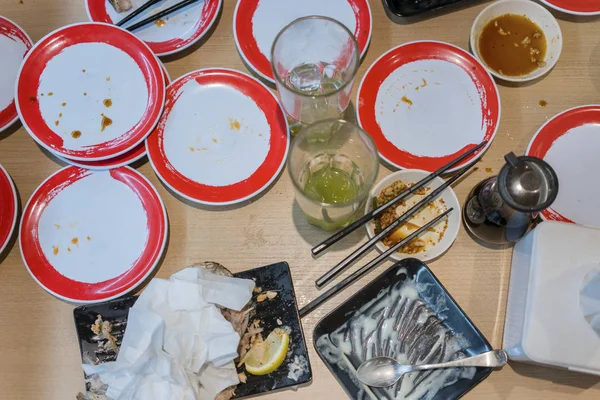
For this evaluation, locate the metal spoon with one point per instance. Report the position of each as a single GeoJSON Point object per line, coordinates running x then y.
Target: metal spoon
{"type": "Point", "coordinates": [384, 371]}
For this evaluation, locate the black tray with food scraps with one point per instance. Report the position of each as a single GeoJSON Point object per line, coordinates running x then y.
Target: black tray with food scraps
{"type": "Point", "coordinates": [413, 8]}
{"type": "Point", "coordinates": [424, 325]}
{"type": "Point", "coordinates": [281, 311]}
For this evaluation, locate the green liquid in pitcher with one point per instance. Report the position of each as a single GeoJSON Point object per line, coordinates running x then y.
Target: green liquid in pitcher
{"type": "Point", "coordinates": [331, 185]}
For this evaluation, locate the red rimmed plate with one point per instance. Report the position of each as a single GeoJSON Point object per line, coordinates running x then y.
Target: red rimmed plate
{"type": "Point", "coordinates": [89, 236]}
{"type": "Point", "coordinates": [169, 35]}
{"type": "Point", "coordinates": [14, 44]}
{"type": "Point", "coordinates": [8, 208]}
{"type": "Point", "coordinates": [222, 139]}
{"type": "Point", "coordinates": [256, 23]}
{"type": "Point", "coordinates": [575, 7]}
{"type": "Point", "coordinates": [569, 142]}
{"type": "Point", "coordinates": [425, 103]}
{"type": "Point", "coordinates": [90, 91]}
{"type": "Point", "coordinates": [124, 159]}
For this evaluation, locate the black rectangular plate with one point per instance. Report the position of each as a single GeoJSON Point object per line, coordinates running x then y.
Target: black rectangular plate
{"type": "Point", "coordinates": [283, 307]}
{"type": "Point", "coordinates": [455, 320]}
{"type": "Point", "coordinates": [411, 8]}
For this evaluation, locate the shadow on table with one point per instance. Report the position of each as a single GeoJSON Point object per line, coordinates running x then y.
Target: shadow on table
{"type": "Point", "coordinates": [314, 235]}
{"type": "Point", "coordinates": [207, 207]}
{"type": "Point", "coordinates": [563, 379]}
{"type": "Point", "coordinates": [10, 130]}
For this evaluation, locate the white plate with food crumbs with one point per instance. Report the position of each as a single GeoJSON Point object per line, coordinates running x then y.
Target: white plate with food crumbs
{"type": "Point", "coordinates": [432, 243]}
{"type": "Point", "coordinates": [425, 103]}
{"type": "Point", "coordinates": [90, 91]}
{"type": "Point", "coordinates": [222, 139]}
{"type": "Point", "coordinates": [14, 44]}
{"type": "Point", "coordinates": [87, 237]}
{"type": "Point", "coordinates": [167, 35]}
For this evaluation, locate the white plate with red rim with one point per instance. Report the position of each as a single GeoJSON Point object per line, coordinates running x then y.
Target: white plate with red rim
{"type": "Point", "coordinates": [569, 142]}
{"type": "Point", "coordinates": [425, 103]}
{"type": "Point", "coordinates": [256, 23]}
{"type": "Point", "coordinates": [446, 230]}
{"type": "Point", "coordinates": [90, 91]}
{"type": "Point", "coordinates": [222, 139]}
{"type": "Point", "coordinates": [124, 159]}
{"type": "Point", "coordinates": [575, 7]}
{"type": "Point", "coordinates": [88, 236]}
{"type": "Point", "coordinates": [168, 35]}
{"type": "Point", "coordinates": [14, 44]}
{"type": "Point", "coordinates": [8, 208]}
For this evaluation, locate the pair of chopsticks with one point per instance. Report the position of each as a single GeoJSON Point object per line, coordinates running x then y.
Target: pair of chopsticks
{"type": "Point", "coordinates": [154, 17]}
{"type": "Point", "coordinates": [346, 262]}
{"type": "Point", "coordinates": [367, 267]}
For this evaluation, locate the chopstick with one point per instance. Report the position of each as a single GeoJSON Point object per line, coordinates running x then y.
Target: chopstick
{"type": "Point", "coordinates": [334, 290]}
{"type": "Point", "coordinates": [137, 12]}
{"type": "Point", "coordinates": [161, 14]}
{"type": "Point", "coordinates": [346, 262]}
{"type": "Point", "coordinates": [374, 213]}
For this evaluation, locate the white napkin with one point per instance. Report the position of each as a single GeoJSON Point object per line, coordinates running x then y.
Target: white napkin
{"type": "Point", "coordinates": [177, 345]}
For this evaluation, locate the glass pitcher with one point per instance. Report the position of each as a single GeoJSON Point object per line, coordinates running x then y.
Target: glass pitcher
{"type": "Point", "coordinates": [499, 210]}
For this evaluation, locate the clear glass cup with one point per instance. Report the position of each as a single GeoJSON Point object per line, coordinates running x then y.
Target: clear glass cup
{"type": "Point", "coordinates": [333, 165]}
{"type": "Point", "coordinates": [314, 61]}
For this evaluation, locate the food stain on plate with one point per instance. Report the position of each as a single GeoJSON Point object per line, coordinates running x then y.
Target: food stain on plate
{"type": "Point", "coordinates": [513, 45]}
{"type": "Point", "coordinates": [407, 101]}
{"type": "Point", "coordinates": [430, 238]}
{"type": "Point", "coordinates": [234, 124]}
{"type": "Point", "coordinates": [106, 122]}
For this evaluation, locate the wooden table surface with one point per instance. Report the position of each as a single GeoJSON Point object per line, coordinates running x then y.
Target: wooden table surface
{"type": "Point", "coordinates": [39, 354]}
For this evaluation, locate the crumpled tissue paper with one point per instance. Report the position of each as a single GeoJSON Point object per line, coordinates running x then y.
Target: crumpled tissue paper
{"type": "Point", "coordinates": [177, 345]}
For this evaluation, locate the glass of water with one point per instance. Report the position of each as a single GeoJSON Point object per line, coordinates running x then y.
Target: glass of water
{"type": "Point", "coordinates": [333, 165]}
{"type": "Point", "coordinates": [314, 60]}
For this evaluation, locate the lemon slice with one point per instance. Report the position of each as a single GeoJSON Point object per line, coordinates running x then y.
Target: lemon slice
{"type": "Point", "coordinates": [265, 357]}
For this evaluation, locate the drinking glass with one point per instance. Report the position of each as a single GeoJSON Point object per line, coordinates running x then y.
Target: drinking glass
{"type": "Point", "coordinates": [314, 61]}
{"type": "Point", "coordinates": [333, 165]}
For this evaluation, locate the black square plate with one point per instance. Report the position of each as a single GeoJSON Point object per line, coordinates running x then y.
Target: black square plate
{"type": "Point", "coordinates": [275, 277]}
{"type": "Point", "coordinates": [453, 318]}
{"type": "Point", "coordinates": [411, 8]}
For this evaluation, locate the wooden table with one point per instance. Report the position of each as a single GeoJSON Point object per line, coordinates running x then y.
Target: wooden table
{"type": "Point", "coordinates": [39, 355]}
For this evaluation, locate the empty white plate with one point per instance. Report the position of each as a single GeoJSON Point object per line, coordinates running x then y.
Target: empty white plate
{"type": "Point", "coordinates": [425, 103]}
{"type": "Point", "coordinates": [222, 139]}
{"type": "Point", "coordinates": [89, 236]}
{"type": "Point", "coordinates": [90, 91]}
{"type": "Point", "coordinates": [569, 142]}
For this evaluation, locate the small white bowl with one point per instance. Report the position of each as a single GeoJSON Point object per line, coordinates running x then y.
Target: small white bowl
{"type": "Point", "coordinates": [415, 175]}
{"type": "Point", "coordinates": [535, 12]}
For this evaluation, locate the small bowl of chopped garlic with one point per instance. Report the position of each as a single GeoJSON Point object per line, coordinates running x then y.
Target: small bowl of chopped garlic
{"type": "Point", "coordinates": [433, 242]}
{"type": "Point", "coordinates": [516, 40]}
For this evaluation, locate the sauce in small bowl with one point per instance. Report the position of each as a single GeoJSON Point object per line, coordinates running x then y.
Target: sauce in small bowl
{"type": "Point", "coordinates": [513, 45]}
{"type": "Point", "coordinates": [517, 40]}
